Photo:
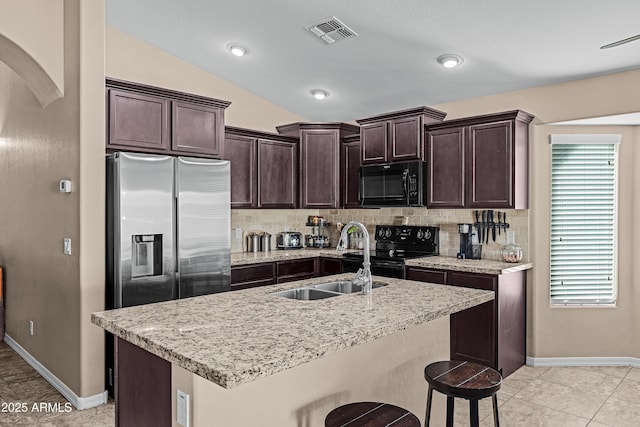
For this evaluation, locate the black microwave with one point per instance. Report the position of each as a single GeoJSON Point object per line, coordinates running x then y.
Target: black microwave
{"type": "Point", "coordinates": [393, 184]}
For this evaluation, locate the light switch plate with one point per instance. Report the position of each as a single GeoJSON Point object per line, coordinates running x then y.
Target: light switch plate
{"type": "Point", "coordinates": [67, 246]}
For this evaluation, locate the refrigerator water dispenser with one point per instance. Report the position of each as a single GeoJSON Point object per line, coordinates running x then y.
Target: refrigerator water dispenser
{"type": "Point", "coordinates": [146, 255]}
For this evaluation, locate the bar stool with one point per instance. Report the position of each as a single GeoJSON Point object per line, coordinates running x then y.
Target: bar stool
{"type": "Point", "coordinates": [370, 414]}
{"type": "Point", "coordinates": [467, 380]}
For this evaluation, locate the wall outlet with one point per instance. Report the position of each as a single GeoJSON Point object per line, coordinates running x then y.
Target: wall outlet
{"type": "Point", "coordinates": [238, 233]}
{"type": "Point", "coordinates": [182, 409]}
{"type": "Point", "coordinates": [31, 327]}
{"type": "Point", "coordinates": [511, 237]}
{"type": "Point", "coordinates": [286, 228]}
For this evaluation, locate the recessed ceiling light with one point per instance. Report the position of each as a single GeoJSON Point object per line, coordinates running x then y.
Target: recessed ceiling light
{"type": "Point", "coordinates": [450, 60]}
{"type": "Point", "coordinates": [319, 93]}
{"type": "Point", "coordinates": [237, 49]}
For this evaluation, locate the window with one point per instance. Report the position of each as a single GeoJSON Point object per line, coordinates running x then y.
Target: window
{"type": "Point", "coordinates": [583, 219]}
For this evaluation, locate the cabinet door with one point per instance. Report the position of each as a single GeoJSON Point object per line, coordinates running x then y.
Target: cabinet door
{"type": "Point", "coordinates": [489, 165]}
{"type": "Point", "coordinates": [350, 174]}
{"type": "Point", "coordinates": [277, 174]}
{"type": "Point", "coordinates": [138, 121]}
{"type": "Point", "coordinates": [288, 271]}
{"type": "Point", "coordinates": [445, 166]}
{"type": "Point", "coordinates": [473, 331]}
{"type": "Point", "coordinates": [142, 387]}
{"type": "Point", "coordinates": [405, 139]}
{"type": "Point", "coordinates": [241, 152]}
{"type": "Point", "coordinates": [319, 169]}
{"type": "Point", "coordinates": [252, 275]}
{"type": "Point", "coordinates": [374, 143]}
{"type": "Point", "coordinates": [197, 128]}
{"type": "Point", "coordinates": [329, 266]}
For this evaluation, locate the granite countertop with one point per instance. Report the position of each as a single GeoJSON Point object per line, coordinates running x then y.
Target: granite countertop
{"type": "Point", "coordinates": [468, 265]}
{"type": "Point", "coordinates": [438, 262]}
{"type": "Point", "coordinates": [237, 337]}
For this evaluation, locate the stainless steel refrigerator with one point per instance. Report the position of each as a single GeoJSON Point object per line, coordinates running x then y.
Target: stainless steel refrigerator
{"type": "Point", "coordinates": [168, 228]}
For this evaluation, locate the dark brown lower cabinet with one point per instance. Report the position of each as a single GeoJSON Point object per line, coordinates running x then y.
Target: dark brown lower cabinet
{"type": "Point", "coordinates": [268, 273]}
{"type": "Point", "coordinates": [142, 387]}
{"type": "Point", "coordinates": [253, 275]}
{"type": "Point", "coordinates": [493, 333]}
{"type": "Point", "coordinates": [298, 269]}
{"type": "Point", "coordinates": [329, 266]}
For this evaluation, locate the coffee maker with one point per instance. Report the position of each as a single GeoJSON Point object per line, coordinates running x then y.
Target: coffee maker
{"type": "Point", "coordinates": [468, 250]}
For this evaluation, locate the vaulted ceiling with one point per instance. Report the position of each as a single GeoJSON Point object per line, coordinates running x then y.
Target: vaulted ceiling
{"type": "Point", "coordinates": [391, 64]}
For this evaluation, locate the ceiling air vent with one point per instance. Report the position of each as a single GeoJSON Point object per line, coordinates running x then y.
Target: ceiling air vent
{"type": "Point", "coordinates": [330, 30]}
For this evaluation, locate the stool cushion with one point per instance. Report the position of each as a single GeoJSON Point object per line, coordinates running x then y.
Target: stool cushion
{"type": "Point", "coordinates": [463, 379]}
{"type": "Point", "coordinates": [370, 414]}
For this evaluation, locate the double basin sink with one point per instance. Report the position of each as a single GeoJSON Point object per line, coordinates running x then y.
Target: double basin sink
{"type": "Point", "coordinates": [325, 290]}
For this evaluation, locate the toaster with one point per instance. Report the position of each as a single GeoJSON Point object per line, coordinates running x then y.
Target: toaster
{"type": "Point", "coordinates": [289, 240]}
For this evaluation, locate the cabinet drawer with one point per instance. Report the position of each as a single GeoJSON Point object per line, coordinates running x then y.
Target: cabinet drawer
{"type": "Point", "coordinates": [248, 276]}
{"type": "Point", "coordinates": [424, 275]}
{"type": "Point", "coordinates": [487, 282]}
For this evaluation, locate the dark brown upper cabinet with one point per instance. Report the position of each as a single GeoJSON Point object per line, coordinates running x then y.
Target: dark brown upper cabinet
{"type": "Point", "coordinates": [445, 168]}
{"type": "Point", "coordinates": [319, 168]}
{"type": "Point", "coordinates": [150, 119]}
{"type": "Point", "coordinates": [197, 128]}
{"type": "Point", "coordinates": [264, 171]}
{"type": "Point", "coordinates": [277, 174]}
{"type": "Point", "coordinates": [479, 162]}
{"type": "Point", "coordinates": [242, 152]}
{"type": "Point", "coordinates": [349, 175]}
{"type": "Point", "coordinates": [396, 136]}
{"type": "Point", "coordinates": [138, 121]}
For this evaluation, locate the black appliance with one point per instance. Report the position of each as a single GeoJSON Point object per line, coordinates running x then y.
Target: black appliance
{"type": "Point", "coordinates": [394, 244]}
{"type": "Point", "coordinates": [393, 184]}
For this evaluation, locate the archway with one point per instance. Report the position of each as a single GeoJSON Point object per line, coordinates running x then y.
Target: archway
{"type": "Point", "coordinates": [23, 64]}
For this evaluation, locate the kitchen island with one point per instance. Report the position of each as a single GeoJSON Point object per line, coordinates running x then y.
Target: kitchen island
{"type": "Point", "coordinates": [253, 358]}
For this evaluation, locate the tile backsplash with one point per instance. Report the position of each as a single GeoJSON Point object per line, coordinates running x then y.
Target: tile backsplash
{"type": "Point", "coordinates": [275, 220]}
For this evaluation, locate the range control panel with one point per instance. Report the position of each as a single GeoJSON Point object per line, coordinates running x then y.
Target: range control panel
{"type": "Point", "coordinates": [407, 234]}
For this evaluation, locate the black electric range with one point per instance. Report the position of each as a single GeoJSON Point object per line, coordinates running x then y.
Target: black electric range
{"type": "Point", "coordinates": [394, 244]}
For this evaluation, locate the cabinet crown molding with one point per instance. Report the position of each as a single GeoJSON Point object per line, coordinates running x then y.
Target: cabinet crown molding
{"type": "Point", "coordinates": [257, 134]}
{"type": "Point", "coordinates": [293, 129]}
{"type": "Point", "coordinates": [518, 115]}
{"type": "Point", "coordinates": [174, 95]}
{"type": "Point", "coordinates": [428, 112]}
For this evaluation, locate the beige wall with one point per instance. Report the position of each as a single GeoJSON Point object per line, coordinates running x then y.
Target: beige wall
{"type": "Point", "coordinates": [131, 59]}
{"type": "Point", "coordinates": [38, 26]}
{"type": "Point", "coordinates": [38, 147]}
{"type": "Point", "coordinates": [577, 332]}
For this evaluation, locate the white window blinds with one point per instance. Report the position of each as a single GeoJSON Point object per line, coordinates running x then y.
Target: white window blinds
{"type": "Point", "coordinates": [583, 219]}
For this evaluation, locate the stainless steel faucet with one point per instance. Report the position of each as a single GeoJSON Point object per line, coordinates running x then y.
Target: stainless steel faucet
{"type": "Point", "coordinates": [363, 276]}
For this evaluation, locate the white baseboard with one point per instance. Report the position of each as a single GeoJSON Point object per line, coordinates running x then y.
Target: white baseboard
{"type": "Point", "coordinates": [584, 361]}
{"type": "Point", "coordinates": [77, 401]}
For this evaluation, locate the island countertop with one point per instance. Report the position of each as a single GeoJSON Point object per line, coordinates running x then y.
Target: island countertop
{"type": "Point", "coordinates": [237, 337]}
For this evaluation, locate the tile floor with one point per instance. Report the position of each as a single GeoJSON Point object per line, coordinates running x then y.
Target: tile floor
{"type": "Point", "coordinates": [545, 397]}
{"type": "Point", "coordinates": [20, 383]}
{"type": "Point", "coordinates": [559, 397]}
